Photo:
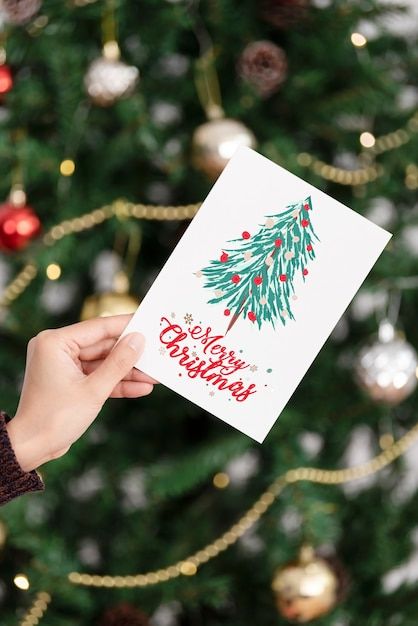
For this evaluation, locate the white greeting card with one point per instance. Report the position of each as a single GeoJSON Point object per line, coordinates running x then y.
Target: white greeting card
{"type": "Point", "coordinates": [252, 291]}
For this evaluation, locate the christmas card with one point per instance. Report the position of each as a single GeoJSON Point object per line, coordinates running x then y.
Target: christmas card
{"type": "Point", "coordinates": [252, 291]}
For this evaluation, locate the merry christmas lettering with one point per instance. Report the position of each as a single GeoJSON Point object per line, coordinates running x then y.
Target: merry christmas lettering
{"type": "Point", "coordinates": [219, 364]}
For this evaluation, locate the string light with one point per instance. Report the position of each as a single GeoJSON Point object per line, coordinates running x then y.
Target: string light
{"type": "Point", "coordinates": [21, 581]}
{"type": "Point", "coordinates": [358, 40]}
{"type": "Point", "coordinates": [67, 167]}
{"type": "Point", "coordinates": [53, 271]}
{"type": "Point", "coordinates": [221, 480]}
{"type": "Point", "coordinates": [367, 140]}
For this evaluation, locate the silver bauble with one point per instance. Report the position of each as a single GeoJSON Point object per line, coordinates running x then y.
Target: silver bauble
{"type": "Point", "coordinates": [215, 142]}
{"type": "Point", "coordinates": [387, 369]}
{"type": "Point", "coordinates": [108, 80]}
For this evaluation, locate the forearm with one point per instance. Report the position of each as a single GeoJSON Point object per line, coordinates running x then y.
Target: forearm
{"type": "Point", "coordinates": [27, 451]}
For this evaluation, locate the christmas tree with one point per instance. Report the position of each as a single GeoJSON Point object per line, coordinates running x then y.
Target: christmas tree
{"type": "Point", "coordinates": [255, 279]}
{"type": "Point", "coordinates": [161, 512]}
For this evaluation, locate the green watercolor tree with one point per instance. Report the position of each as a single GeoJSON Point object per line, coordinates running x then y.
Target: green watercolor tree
{"type": "Point", "coordinates": [255, 277]}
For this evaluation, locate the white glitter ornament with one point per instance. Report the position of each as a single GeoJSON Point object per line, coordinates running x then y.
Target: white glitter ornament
{"type": "Point", "coordinates": [108, 79]}
{"type": "Point", "coordinates": [387, 368]}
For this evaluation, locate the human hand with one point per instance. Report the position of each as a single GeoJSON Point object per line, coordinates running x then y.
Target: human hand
{"type": "Point", "coordinates": [70, 372]}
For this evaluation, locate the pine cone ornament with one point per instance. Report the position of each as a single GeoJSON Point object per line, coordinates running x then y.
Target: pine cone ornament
{"type": "Point", "coordinates": [20, 11]}
{"type": "Point", "coordinates": [264, 66]}
{"type": "Point", "coordinates": [123, 614]}
{"type": "Point", "coordinates": [284, 13]}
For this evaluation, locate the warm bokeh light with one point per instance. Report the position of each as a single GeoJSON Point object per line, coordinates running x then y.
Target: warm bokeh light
{"type": "Point", "coordinates": [367, 140]}
{"type": "Point", "coordinates": [53, 271]}
{"type": "Point", "coordinates": [21, 581]}
{"type": "Point", "coordinates": [221, 480]}
{"type": "Point", "coordinates": [67, 167]}
{"type": "Point", "coordinates": [358, 40]}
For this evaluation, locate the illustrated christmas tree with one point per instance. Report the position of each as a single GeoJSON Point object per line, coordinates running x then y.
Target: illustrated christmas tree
{"type": "Point", "coordinates": [256, 278]}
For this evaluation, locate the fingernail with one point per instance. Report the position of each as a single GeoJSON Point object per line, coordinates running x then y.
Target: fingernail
{"type": "Point", "coordinates": [136, 341]}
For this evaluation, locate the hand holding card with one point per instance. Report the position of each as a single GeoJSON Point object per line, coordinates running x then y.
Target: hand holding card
{"type": "Point", "coordinates": [252, 291]}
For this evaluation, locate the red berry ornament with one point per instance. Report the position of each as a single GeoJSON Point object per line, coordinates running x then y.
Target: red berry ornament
{"type": "Point", "coordinates": [18, 225]}
{"type": "Point", "coordinates": [227, 312]}
{"type": "Point", "coordinates": [309, 247]}
{"type": "Point", "coordinates": [6, 79]}
{"type": "Point", "coordinates": [306, 207]}
{"type": "Point", "coordinates": [246, 234]}
{"type": "Point", "coordinates": [252, 316]}
{"type": "Point", "coordinates": [258, 280]}
{"type": "Point", "coordinates": [305, 272]}
{"type": "Point", "coordinates": [235, 279]}
{"type": "Point", "coordinates": [283, 278]}
{"type": "Point", "coordinates": [278, 243]}
{"type": "Point", "coordinates": [305, 223]}
{"type": "Point", "coordinates": [224, 257]}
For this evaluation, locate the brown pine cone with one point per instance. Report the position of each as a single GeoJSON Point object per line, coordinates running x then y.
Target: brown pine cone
{"type": "Point", "coordinates": [123, 614]}
{"type": "Point", "coordinates": [264, 66]}
{"type": "Point", "coordinates": [20, 11]}
{"type": "Point", "coordinates": [284, 13]}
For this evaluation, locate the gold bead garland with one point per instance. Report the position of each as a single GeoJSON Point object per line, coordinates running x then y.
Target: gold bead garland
{"type": "Point", "coordinates": [37, 609]}
{"type": "Point", "coordinates": [190, 565]}
{"type": "Point", "coordinates": [119, 208]}
{"type": "Point", "coordinates": [122, 208]}
{"type": "Point", "coordinates": [369, 172]}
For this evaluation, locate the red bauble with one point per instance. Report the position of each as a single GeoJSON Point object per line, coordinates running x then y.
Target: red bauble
{"type": "Point", "coordinates": [306, 207]}
{"type": "Point", "coordinates": [227, 312]}
{"type": "Point", "coordinates": [258, 280]}
{"type": "Point", "coordinates": [246, 234]}
{"type": "Point", "coordinates": [305, 272]}
{"type": "Point", "coordinates": [278, 243]}
{"type": "Point", "coordinates": [305, 223]}
{"type": "Point", "coordinates": [224, 257]}
{"type": "Point", "coordinates": [252, 316]}
{"type": "Point", "coordinates": [18, 225]}
{"type": "Point", "coordinates": [283, 278]}
{"type": "Point", "coordinates": [235, 279]}
{"type": "Point", "coordinates": [6, 79]}
{"type": "Point", "coordinates": [309, 247]}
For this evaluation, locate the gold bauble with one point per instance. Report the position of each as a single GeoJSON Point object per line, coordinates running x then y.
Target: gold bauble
{"type": "Point", "coordinates": [3, 534]}
{"type": "Point", "coordinates": [215, 142]}
{"type": "Point", "coordinates": [109, 303]}
{"type": "Point", "coordinates": [305, 589]}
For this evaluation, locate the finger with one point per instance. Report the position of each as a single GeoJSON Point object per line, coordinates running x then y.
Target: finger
{"type": "Point", "coordinates": [135, 374]}
{"type": "Point", "coordinates": [99, 350]}
{"type": "Point", "coordinates": [116, 365]}
{"type": "Point", "coordinates": [91, 331]}
{"type": "Point", "coordinates": [129, 389]}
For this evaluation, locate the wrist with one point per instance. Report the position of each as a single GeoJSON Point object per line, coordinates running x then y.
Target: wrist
{"type": "Point", "coordinates": [26, 450]}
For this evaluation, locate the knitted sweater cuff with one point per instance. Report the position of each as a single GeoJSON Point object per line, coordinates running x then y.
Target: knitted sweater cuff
{"type": "Point", "coordinates": [13, 480]}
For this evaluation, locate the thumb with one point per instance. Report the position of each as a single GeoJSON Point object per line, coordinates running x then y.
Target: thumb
{"type": "Point", "coordinates": [117, 364]}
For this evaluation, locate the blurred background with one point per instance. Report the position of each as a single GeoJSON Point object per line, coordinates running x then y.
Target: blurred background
{"type": "Point", "coordinates": [116, 117]}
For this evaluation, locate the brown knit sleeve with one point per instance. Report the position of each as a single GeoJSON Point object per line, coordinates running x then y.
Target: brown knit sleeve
{"type": "Point", "coordinates": [13, 480]}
